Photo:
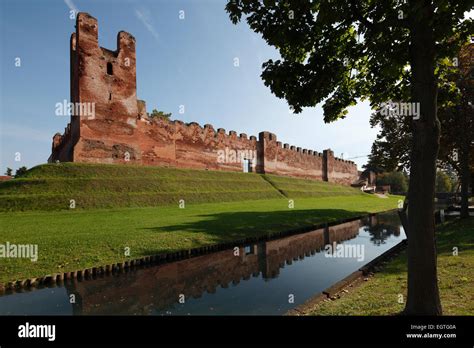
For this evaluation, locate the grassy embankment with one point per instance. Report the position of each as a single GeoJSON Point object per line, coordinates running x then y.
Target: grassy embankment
{"type": "Point", "coordinates": [137, 207]}
{"type": "Point", "coordinates": [379, 295]}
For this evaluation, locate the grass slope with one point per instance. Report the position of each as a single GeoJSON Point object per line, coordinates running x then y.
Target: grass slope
{"type": "Point", "coordinates": [379, 295]}
{"type": "Point", "coordinates": [119, 206]}
{"type": "Point", "coordinates": [297, 188]}
{"type": "Point", "coordinates": [53, 186]}
{"type": "Point", "coordinates": [77, 239]}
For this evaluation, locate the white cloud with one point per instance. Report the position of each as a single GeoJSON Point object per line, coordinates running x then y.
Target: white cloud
{"type": "Point", "coordinates": [144, 17]}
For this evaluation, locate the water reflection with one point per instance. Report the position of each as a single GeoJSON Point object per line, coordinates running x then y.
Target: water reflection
{"type": "Point", "coordinates": [381, 227]}
{"type": "Point", "coordinates": [256, 281]}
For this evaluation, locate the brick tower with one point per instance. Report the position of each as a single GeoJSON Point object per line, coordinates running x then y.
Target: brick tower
{"type": "Point", "coordinates": [109, 124]}
{"type": "Point", "coordinates": [103, 90]}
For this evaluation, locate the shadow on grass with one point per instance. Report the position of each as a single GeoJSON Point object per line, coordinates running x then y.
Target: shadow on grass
{"type": "Point", "coordinates": [456, 233]}
{"type": "Point", "coordinates": [232, 225]}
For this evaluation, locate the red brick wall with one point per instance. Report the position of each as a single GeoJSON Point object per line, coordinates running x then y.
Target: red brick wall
{"type": "Point", "coordinates": [121, 131]}
{"type": "Point", "coordinates": [289, 160]}
{"type": "Point", "coordinates": [297, 162]}
{"type": "Point", "coordinates": [174, 143]}
{"type": "Point", "coordinates": [344, 172]}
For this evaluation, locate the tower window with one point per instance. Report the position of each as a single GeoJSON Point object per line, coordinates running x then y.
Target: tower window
{"type": "Point", "coordinates": [110, 70]}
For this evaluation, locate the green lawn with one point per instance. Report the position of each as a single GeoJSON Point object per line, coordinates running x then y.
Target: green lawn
{"type": "Point", "coordinates": [379, 295]}
{"type": "Point", "coordinates": [51, 187]}
{"type": "Point", "coordinates": [75, 239]}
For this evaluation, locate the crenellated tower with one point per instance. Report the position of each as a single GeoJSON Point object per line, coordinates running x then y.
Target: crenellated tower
{"type": "Point", "coordinates": [109, 124]}
{"type": "Point", "coordinates": [103, 90]}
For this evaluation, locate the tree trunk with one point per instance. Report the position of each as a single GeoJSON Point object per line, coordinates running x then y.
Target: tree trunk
{"type": "Point", "coordinates": [423, 293]}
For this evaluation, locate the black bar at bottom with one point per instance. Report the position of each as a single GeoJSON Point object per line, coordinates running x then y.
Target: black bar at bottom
{"type": "Point", "coordinates": [452, 330]}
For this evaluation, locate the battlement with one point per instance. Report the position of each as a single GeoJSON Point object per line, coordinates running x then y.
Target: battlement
{"type": "Point", "coordinates": [121, 131]}
{"type": "Point", "coordinates": [100, 75]}
{"type": "Point", "coordinates": [87, 32]}
{"type": "Point", "coordinates": [207, 131]}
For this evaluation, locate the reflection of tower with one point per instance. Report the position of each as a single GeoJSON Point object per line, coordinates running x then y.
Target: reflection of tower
{"type": "Point", "coordinates": [326, 235]}
{"type": "Point", "coordinates": [71, 290]}
{"type": "Point", "coordinates": [396, 230]}
{"type": "Point", "coordinates": [156, 289]}
{"type": "Point", "coordinates": [262, 260]}
{"type": "Point", "coordinates": [373, 220]}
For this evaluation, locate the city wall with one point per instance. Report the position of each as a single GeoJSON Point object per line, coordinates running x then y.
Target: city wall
{"type": "Point", "coordinates": [121, 131]}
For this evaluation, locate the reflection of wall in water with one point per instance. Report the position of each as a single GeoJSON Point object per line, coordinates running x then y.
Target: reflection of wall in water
{"type": "Point", "coordinates": [158, 287]}
{"type": "Point", "coordinates": [297, 247]}
{"type": "Point", "coordinates": [343, 231]}
{"type": "Point", "coordinates": [286, 250]}
{"type": "Point", "coordinates": [382, 226]}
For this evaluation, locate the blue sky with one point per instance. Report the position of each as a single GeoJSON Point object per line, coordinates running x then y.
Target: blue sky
{"type": "Point", "coordinates": [186, 62]}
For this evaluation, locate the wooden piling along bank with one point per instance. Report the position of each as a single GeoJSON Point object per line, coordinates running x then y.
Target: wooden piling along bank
{"type": "Point", "coordinates": [56, 279]}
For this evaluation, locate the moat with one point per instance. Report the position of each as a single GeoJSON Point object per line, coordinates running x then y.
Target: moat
{"type": "Point", "coordinates": [267, 278]}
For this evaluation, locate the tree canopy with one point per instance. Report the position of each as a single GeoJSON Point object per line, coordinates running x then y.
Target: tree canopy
{"type": "Point", "coordinates": [337, 52]}
{"type": "Point", "coordinates": [390, 150]}
{"type": "Point", "coordinates": [397, 181]}
{"type": "Point", "coordinates": [159, 114]}
{"type": "Point", "coordinates": [21, 171]}
{"type": "Point", "coordinates": [443, 182]}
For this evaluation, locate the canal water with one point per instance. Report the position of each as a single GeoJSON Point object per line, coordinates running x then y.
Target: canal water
{"type": "Point", "coordinates": [266, 278]}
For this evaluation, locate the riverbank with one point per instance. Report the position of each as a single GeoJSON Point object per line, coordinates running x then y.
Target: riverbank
{"type": "Point", "coordinates": [79, 239]}
{"type": "Point", "coordinates": [384, 292]}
